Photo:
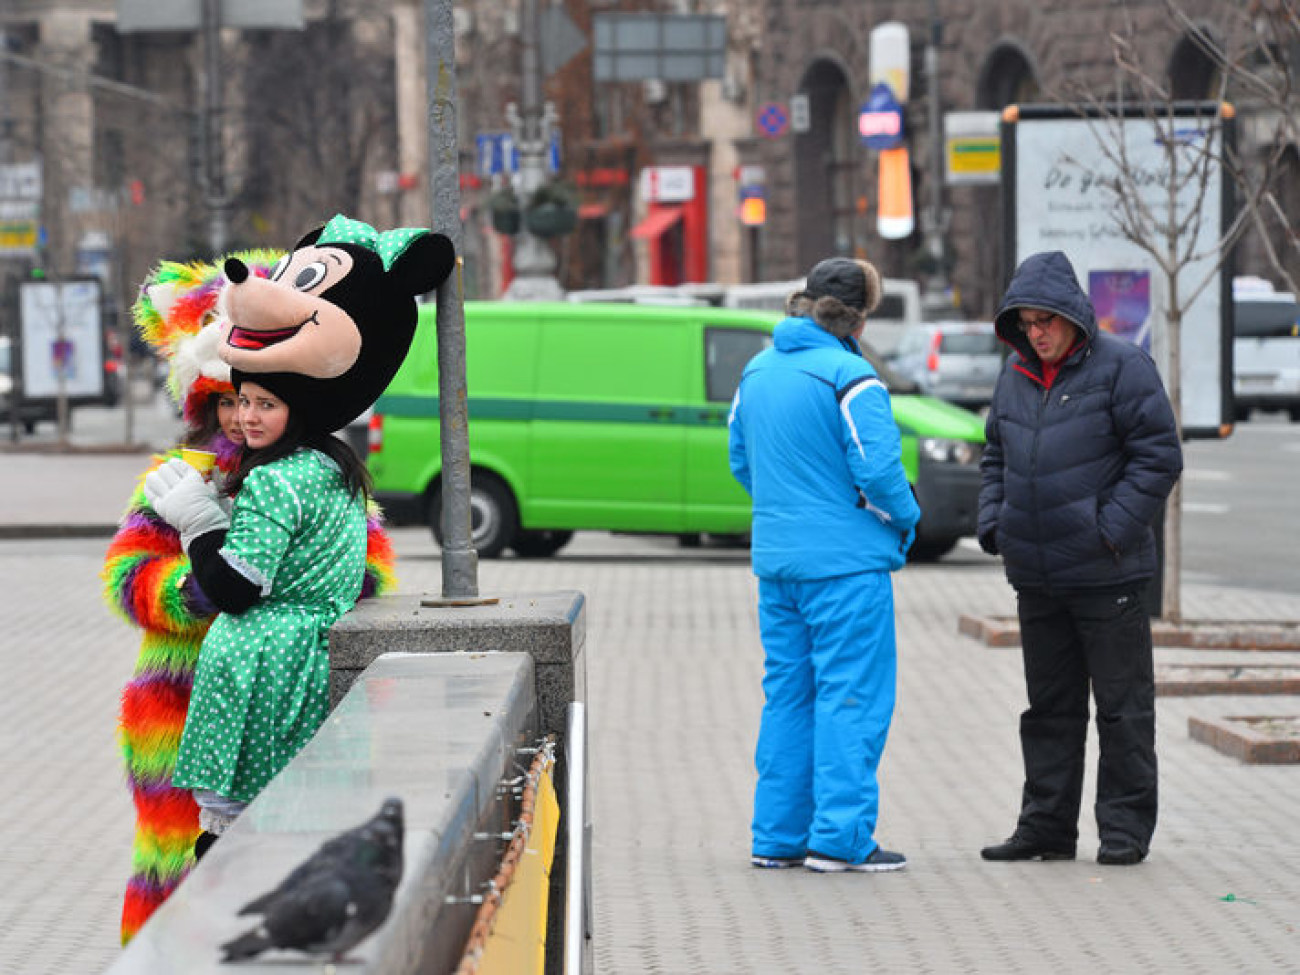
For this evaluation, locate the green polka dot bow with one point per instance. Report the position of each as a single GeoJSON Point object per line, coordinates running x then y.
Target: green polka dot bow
{"type": "Point", "coordinates": [389, 245]}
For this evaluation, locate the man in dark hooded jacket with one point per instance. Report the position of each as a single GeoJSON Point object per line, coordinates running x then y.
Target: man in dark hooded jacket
{"type": "Point", "coordinates": [1082, 451]}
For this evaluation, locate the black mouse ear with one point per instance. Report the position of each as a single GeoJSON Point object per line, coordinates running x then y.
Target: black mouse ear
{"type": "Point", "coordinates": [310, 237]}
{"type": "Point", "coordinates": [424, 265]}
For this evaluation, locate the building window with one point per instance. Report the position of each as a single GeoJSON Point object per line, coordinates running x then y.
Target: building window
{"type": "Point", "coordinates": [1006, 79]}
{"type": "Point", "coordinates": [1193, 73]}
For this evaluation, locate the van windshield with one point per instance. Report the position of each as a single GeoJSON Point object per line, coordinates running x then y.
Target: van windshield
{"type": "Point", "coordinates": [894, 382]}
{"type": "Point", "coordinates": [1271, 317]}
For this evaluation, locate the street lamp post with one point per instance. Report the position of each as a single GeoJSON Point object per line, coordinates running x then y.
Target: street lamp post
{"type": "Point", "coordinates": [459, 559]}
{"type": "Point", "coordinates": [213, 143]}
{"type": "Point", "coordinates": [531, 126]}
{"type": "Point", "coordinates": [936, 295]}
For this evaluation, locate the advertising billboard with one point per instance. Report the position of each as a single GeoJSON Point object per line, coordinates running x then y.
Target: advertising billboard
{"type": "Point", "coordinates": [1059, 167]}
{"type": "Point", "coordinates": [63, 339]}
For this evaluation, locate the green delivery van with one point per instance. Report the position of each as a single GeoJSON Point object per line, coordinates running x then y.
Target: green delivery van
{"type": "Point", "coordinates": [613, 417]}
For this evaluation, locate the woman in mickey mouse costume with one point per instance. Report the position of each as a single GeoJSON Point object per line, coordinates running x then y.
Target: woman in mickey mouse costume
{"type": "Point", "coordinates": [148, 582]}
{"type": "Point", "coordinates": [310, 348]}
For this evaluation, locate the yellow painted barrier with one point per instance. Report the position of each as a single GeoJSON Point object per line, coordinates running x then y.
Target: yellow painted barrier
{"type": "Point", "coordinates": [509, 934]}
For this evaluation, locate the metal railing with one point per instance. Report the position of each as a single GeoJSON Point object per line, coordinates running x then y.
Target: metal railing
{"type": "Point", "coordinates": [577, 866]}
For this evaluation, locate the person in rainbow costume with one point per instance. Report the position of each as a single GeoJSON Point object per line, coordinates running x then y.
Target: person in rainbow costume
{"type": "Point", "coordinates": [147, 578]}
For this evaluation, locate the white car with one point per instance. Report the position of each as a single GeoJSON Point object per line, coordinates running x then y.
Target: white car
{"type": "Point", "coordinates": [954, 361]}
{"type": "Point", "coordinates": [1265, 349]}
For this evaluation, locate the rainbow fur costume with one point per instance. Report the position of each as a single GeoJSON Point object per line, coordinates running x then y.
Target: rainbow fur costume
{"type": "Point", "coordinates": [143, 583]}
{"type": "Point", "coordinates": [142, 577]}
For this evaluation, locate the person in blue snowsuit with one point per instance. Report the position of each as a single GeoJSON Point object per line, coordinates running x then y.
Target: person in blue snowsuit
{"type": "Point", "coordinates": [813, 441]}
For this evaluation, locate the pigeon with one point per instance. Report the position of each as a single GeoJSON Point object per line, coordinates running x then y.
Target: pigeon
{"type": "Point", "coordinates": [335, 898]}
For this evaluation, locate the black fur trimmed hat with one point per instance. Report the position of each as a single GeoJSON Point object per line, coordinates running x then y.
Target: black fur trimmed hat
{"type": "Point", "coordinates": [855, 283]}
{"type": "Point", "coordinates": [838, 295]}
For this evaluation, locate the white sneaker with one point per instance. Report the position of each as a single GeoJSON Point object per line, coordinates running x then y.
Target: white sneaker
{"type": "Point", "coordinates": [880, 861]}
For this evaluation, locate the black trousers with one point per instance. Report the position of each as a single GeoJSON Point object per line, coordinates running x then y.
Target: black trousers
{"type": "Point", "coordinates": [1069, 641]}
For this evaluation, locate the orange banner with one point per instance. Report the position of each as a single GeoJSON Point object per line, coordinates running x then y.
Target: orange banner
{"type": "Point", "coordinates": [894, 219]}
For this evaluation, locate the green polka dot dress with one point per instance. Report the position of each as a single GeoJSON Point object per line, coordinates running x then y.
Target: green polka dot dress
{"type": "Point", "coordinates": [261, 688]}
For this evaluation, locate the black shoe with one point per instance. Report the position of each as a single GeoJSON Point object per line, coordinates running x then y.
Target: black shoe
{"type": "Point", "coordinates": [774, 863]}
{"type": "Point", "coordinates": [1018, 848]}
{"type": "Point", "coordinates": [1119, 855]}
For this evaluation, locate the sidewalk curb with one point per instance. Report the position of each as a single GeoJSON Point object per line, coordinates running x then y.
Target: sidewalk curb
{"type": "Point", "coordinates": [10, 532]}
{"type": "Point", "coordinates": [1004, 631]}
{"type": "Point", "coordinates": [55, 448]}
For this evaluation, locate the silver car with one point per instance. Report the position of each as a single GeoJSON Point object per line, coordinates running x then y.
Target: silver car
{"type": "Point", "coordinates": [954, 361]}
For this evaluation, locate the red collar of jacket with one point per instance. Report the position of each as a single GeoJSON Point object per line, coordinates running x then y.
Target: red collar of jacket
{"type": "Point", "coordinates": [1050, 369]}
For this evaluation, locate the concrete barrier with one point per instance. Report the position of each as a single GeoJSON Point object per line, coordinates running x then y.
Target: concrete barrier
{"type": "Point", "coordinates": [551, 627]}
{"type": "Point", "coordinates": [442, 731]}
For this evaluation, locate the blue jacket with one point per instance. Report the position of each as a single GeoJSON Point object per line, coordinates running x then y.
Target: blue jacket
{"type": "Point", "coordinates": [813, 440]}
{"type": "Point", "coordinates": [1074, 475]}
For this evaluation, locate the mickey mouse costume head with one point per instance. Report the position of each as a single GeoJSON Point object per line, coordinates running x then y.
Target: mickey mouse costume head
{"type": "Point", "coordinates": [329, 328]}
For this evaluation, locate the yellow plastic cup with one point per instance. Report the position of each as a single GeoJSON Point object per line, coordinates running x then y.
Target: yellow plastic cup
{"type": "Point", "coordinates": [201, 460]}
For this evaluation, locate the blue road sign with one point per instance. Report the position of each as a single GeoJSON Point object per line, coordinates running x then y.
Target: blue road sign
{"type": "Point", "coordinates": [773, 120]}
{"type": "Point", "coordinates": [880, 120]}
{"type": "Point", "coordinates": [496, 153]}
{"type": "Point", "coordinates": [488, 147]}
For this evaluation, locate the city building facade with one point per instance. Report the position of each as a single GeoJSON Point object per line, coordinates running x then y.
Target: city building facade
{"type": "Point", "coordinates": [751, 174]}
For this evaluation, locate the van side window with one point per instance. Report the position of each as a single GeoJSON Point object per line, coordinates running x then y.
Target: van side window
{"type": "Point", "coordinates": [891, 306]}
{"type": "Point", "coordinates": [726, 353]}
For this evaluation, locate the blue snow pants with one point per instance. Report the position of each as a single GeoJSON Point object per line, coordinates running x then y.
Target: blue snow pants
{"type": "Point", "coordinates": [829, 685]}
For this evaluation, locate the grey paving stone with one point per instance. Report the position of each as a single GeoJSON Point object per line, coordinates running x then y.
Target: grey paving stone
{"type": "Point", "coordinates": [673, 666]}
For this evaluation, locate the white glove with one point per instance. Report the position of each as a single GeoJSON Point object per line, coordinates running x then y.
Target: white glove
{"type": "Point", "coordinates": [182, 498]}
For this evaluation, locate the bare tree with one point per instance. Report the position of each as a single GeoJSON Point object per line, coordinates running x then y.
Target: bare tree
{"type": "Point", "coordinates": [1261, 71]}
{"type": "Point", "coordinates": [319, 117]}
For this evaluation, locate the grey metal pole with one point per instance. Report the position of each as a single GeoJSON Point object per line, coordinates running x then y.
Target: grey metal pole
{"type": "Point", "coordinates": [577, 858]}
{"type": "Point", "coordinates": [4, 158]}
{"type": "Point", "coordinates": [213, 128]}
{"type": "Point", "coordinates": [937, 283]}
{"type": "Point", "coordinates": [459, 559]}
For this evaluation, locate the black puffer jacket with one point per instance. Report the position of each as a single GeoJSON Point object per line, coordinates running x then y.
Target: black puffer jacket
{"type": "Point", "coordinates": [1074, 475]}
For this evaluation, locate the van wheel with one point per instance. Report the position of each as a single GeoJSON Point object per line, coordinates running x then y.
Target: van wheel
{"type": "Point", "coordinates": [930, 549]}
{"type": "Point", "coordinates": [494, 519]}
{"type": "Point", "coordinates": [541, 544]}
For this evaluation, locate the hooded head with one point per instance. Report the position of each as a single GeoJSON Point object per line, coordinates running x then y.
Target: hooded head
{"type": "Point", "coordinates": [175, 314]}
{"type": "Point", "coordinates": [1043, 283]}
{"type": "Point", "coordinates": [838, 295]}
{"type": "Point", "coordinates": [328, 329]}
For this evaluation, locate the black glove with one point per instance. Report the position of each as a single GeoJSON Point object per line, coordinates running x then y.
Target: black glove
{"type": "Point", "coordinates": [989, 541]}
